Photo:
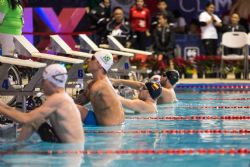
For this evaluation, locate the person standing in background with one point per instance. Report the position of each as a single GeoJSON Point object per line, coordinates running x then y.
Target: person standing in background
{"type": "Point", "coordinates": [209, 21]}
{"type": "Point", "coordinates": [99, 17]}
{"type": "Point", "coordinates": [164, 43]}
{"type": "Point", "coordinates": [119, 27]}
{"type": "Point", "coordinates": [140, 23]}
{"type": "Point", "coordinates": [11, 23]}
{"type": "Point", "coordinates": [162, 8]}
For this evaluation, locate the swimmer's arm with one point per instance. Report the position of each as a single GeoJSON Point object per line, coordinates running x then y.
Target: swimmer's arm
{"type": "Point", "coordinates": [26, 131]}
{"type": "Point", "coordinates": [135, 105]}
{"type": "Point", "coordinates": [133, 84]}
{"type": "Point", "coordinates": [39, 113]}
{"type": "Point", "coordinates": [83, 98]}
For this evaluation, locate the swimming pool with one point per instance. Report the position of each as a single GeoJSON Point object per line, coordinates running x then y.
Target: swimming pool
{"type": "Point", "coordinates": [203, 129]}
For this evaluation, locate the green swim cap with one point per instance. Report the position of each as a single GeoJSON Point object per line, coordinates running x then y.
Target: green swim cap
{"type": "Point", "coordinates": [154, 89]}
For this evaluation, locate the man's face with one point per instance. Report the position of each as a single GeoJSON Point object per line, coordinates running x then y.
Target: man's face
{"type": "Point", "coordinates": [139, 3]}
{"type": "Point", "coordinates": [235, 18]}
{"type": "Point", "coordinates": [161, 20]}
{"type": "Point", "coordinates": [92, 64]}
{"type": "Point", "coordinates": [210, 9]}
{"type": "Point", "coordinates": [118, 15]}
{"type": "Point", "coordinates": [143, 93]}
{"type": "Point", "coordinates": [46, 85]}
{"type": "Point", "coordinates": [106, 3]}
{"type": "Point", "coordinates": [162, 6]}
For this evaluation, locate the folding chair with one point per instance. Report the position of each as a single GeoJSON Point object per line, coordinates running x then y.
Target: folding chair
{"type": "Point", "coordinates": [235, 40]}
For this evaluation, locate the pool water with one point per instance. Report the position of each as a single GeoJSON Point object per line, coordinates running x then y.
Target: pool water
{"type": "Point", "coordinates": [101, 142]}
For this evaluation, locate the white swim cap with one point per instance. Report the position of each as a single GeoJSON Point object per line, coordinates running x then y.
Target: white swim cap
{"type": "Point", "coordinates": [155, 78]}
{"type": "Point", "coordinates": [105, 58]}
{"type": "Point", "coordinates": [56, 74]}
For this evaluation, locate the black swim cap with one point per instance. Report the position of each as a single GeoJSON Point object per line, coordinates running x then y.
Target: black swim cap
{"type": "Point", "coordinates": [173, 76]}
{"type": "Point", "coordinates": [154, 89]}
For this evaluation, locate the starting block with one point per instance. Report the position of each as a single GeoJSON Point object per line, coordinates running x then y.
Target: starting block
{"type": "Point", "coordinates": [88, 44]}
{"type": "Point", "coordinates": [116, 45]}
{"type": "Point", "coordinates": [24, 47]}
{"type": "Point", "coordinates": [59, 46]}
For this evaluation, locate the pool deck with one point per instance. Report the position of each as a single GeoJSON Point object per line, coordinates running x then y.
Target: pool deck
{"type": "Point", "coordinates": [230, 79]}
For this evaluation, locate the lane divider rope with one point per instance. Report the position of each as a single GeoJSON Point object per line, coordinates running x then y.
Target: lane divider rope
{"type": "Point", "coordinates": [173, 131]}
{"type": "Point", "coordinates": [180, 151]}
{"type": "Point", "coordinates": [214, 91]}
{"type": "Point", "coordinates": [194, 117]}
{"type": "Point", "coordinates": [213, 98]}
{"type": "Point", "coordinates": [211, 107]}
{"type": "Point", "coordinates": [213, 86]}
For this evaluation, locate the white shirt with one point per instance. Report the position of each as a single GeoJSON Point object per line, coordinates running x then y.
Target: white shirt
{"type": "Point", "coordinates": [208, 31]}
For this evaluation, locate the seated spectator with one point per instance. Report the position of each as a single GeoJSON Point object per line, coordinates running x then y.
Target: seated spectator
{"type": "Point", "coordinates": [119, 27]}
{"type": "Point", "coordinates": [164, 41]}
{"type": "Point", "coordinates": [233, 26]}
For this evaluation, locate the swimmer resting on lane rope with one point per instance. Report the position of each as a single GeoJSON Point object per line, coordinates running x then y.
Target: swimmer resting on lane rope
{"type": "Point", "coordinates": [168, 81]}
{"type": "Point", "coordinates": [59, 109]}
{"type": "Point", "coordinates": [147, 97]}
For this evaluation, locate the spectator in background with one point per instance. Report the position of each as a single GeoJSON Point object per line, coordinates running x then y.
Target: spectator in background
{"type": "Point", "coordinates": [100, 16]}
{"type": "Point", "coordinates": [209, 21]}
{"type": "Point", "coordinates": [180, 22]}
{"type": "Point", "coordinates": [242, 7]}
{"type": "Point", "coordinates": [194, 27]}
{"type": "Point", "coordinates": [140, 23]}
{"type": "Point", "coordinates": [164, 42]}
{"type": "Point", "coordinates": [162, 8]}
{"type": "Point", "coordinates": [91, 4]}
{"type": "Point", "coordinates": [233, 26]}
{"type": "Point", "coordinates": [11, 23]}
{"type": "Point", "coordinates": [119, 27]}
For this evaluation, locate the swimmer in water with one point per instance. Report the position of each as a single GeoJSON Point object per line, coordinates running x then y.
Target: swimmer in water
{"type": "Point", "coordinates": [107, 109]}
{"type": "Point", "coordinates": [147, 97]}
{"type": "Point", "coordinates": [58, 118]}
{"type": "Point", "coordinates": [168, 81]}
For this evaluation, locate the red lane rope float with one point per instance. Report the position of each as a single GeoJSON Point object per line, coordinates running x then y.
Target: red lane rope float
{"type": "Point", "coordinates": [194, 117]}
{"type": "Point", "coordinates": [180, 151]}
{"type": "Point", "coordinates": [212, 107]}
{"type": "Point", "coordinates": [213, 98]}
{"type": "Point", "coordinates": [173, 131]}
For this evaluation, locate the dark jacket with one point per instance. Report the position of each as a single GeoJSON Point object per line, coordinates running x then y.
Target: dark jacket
{"type": "Point", "coordinates": [99, 17]}
{"type": "Point", "coordinates": [231, 28]}
{"type": "Point", "coordinates": [164, 40]}
{"type": "Point", "coordinates": [121, 31]}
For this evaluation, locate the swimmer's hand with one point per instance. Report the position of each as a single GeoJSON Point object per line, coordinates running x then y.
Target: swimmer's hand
{"type": "Point", "coordinates": [2, 104]}
{"type": "Point", "coordinates": [114, 81]}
